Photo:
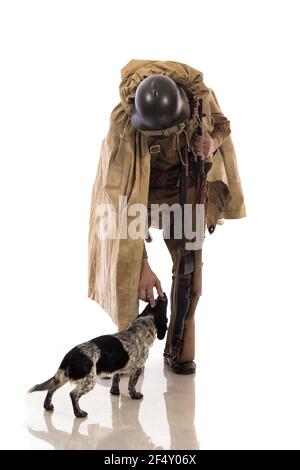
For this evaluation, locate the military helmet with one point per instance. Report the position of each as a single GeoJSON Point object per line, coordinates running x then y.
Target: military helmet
{"type": "Point", "coordinates": [159, 104]}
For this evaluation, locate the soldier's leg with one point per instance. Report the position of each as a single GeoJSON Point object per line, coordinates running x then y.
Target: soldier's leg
{"type": "Point", "coordinates": [188, 347]}
{"type": "Point", "coordinates": [185, 293]}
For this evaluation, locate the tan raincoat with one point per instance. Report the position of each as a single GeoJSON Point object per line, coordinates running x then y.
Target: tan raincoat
{"type": "Point", "coordinates": [124, 170]}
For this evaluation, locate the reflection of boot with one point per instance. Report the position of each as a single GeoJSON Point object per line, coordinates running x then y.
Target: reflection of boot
{"type": "Point", "coordinates": [180, 407]}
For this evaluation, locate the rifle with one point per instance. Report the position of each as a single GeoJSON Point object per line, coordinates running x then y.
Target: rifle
{"type": "Point", "coordinates": [202, 166]}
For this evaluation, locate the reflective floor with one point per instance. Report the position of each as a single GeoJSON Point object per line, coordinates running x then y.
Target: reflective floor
{"type": "Point", "coordinates": [245, 394]}
{"type": "Point", "coordinates": [163, 419]}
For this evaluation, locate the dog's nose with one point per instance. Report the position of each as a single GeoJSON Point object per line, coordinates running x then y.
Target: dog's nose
{"type": "Point", "coordinates": [162, 299]}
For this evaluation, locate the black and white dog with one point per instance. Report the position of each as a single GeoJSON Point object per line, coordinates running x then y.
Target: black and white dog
{"type": "Point", "coordinates": [123, 352]}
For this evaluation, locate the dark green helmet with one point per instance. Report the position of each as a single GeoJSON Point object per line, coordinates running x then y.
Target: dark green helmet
{"type": "Point", "coordinates": [159, 104]}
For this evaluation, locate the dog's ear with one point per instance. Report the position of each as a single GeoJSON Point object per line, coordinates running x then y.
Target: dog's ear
{"type": "Point", "coordinates": [159, 313]}
{"type": "Point", "coordinates": [161, 326]}
{"type": "Point", "coordinates": [160, 318]}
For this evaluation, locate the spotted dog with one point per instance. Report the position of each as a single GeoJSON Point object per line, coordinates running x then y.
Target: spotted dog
{"type": "Point", "coordinates": [123, 352]}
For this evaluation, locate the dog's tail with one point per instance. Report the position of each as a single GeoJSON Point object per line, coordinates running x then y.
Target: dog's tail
{"type": "Point", "coordinates": [50, 383]}
{"type": "Point", "coordinates": [43, 386]}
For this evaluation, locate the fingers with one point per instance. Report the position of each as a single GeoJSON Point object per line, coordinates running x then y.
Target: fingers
{"type": "Point", "coordinates": [159, 288]}
{"type": "Point", "coordinates": [146, 290]}
{"type": "Point", "coordinates": [198, 145]}
{"type": "Point", "coordinates": [151, 296]}
{"type": "Point", "coordinates": [202, 144]}
{"type": "Point", "coordinates": [198, 138]}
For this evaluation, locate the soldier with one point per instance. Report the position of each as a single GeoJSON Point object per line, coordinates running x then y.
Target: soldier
{"type": "Point", "coordinates": [158, 123]}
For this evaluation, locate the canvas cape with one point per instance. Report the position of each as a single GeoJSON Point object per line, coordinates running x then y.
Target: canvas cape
{"type": "Point", "coordinates": [124, 170]}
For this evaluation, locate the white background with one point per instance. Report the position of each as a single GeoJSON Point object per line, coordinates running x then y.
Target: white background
{"type": "Point", "coordinates": [60, 73]}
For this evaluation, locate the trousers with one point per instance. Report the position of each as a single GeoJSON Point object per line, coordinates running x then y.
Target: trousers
{"type": "Point", "coordinates": [186, 284]}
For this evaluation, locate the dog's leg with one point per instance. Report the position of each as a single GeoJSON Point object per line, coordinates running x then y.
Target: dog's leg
{"type": "Point", "coordinates": [132, 383]}
{"type": "Point", "coordinates": [115, 385]}
{"type": "Point", "coordinates": [60, 380]}
{"type": "Point", "coordinates": [87, 384]}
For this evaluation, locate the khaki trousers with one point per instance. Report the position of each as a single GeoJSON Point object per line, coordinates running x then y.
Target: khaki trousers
{"type": "Point", "coordinates": [176, 247]}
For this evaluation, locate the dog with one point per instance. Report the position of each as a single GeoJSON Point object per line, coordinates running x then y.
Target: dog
{"type": "Point", "coordinates": [124, 352]}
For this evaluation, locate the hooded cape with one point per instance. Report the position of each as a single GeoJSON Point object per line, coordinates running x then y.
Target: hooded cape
{"type": "Point", "coordinates": [124, 170]}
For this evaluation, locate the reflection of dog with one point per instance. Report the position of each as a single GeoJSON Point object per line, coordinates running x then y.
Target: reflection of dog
{"type": "Point", "coordinates": [123, 352]}
{"type": "Point", "coordinates": [126, 431]}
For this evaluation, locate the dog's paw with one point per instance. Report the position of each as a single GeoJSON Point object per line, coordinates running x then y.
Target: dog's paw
{"type": "Point", "coordinates": [115, 391]}
{"type": "Point", "coordinates": [80, 414]}
{"type": "Point", "coordinates": [136, 395]}
{"type": "Point", "coordinates": [48, 407]}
